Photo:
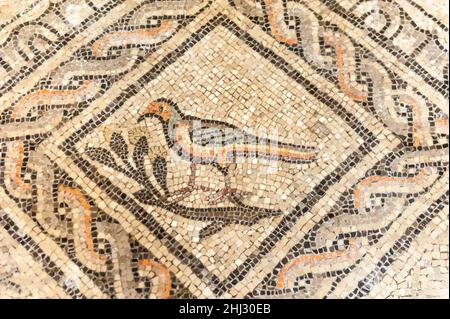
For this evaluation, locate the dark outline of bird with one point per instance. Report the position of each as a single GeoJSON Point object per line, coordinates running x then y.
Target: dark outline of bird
{"type": "Point", "coordinates": [228, 143]}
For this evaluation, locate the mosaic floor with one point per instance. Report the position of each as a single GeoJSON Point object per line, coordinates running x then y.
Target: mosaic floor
{"type": "Point", "coordinates": [224, 149]}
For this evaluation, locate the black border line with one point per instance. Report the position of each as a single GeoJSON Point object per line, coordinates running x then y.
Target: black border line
{"type": "Point", "coordinates": [401, 245]}
{"type": "Point", "coordinates": [440, 86]}
{"type": "Point", "coordinates": [219, 287]}
{"type": "Point", "coordinates": [38, 255]}
{"type": "Point", "coordinates": [33, 65]}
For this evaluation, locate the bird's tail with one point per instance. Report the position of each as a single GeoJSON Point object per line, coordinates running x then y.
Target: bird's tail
{"type": "Point", "coordinates": [279, 152]}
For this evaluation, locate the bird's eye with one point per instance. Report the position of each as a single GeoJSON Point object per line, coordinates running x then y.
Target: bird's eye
{"type": "Point", "coordinates": [161, 109]}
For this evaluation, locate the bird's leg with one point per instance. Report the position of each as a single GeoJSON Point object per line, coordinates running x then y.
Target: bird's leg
{"type": "Point", "coordinates": [191, 183]}
{"type": "Point", "coordinates": [227, 191]}
{"type": "Point", "coordinates": [184, 192]}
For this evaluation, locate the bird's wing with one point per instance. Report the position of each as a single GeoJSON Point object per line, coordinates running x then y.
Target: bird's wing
{"type": "Point", "coordinates": [216, 135]}
{"type": "Point", "coordinates": [213, 134]}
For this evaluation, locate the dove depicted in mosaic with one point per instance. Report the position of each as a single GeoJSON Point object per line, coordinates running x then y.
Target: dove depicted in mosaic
{"type": "Point", "coordinates": [217, 143]}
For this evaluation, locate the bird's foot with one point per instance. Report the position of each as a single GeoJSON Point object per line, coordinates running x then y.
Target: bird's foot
{"type": "Point", "coordinates": [225, 193]}
{"type": "Point", "coordinates": [185, 192]}
{"type": "Point", "coordinates": [180, 194]}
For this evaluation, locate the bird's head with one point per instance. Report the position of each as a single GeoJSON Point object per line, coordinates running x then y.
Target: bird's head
{"type": "Point", "coordinates": [161, 108]}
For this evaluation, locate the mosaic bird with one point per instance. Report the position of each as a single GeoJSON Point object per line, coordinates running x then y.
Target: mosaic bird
{"type": "Point", "coordinates": [211, 142]}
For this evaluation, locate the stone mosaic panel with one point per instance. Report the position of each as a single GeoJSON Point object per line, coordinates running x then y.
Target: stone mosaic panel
{"type": "Point", "coordinates": [224, 149]}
